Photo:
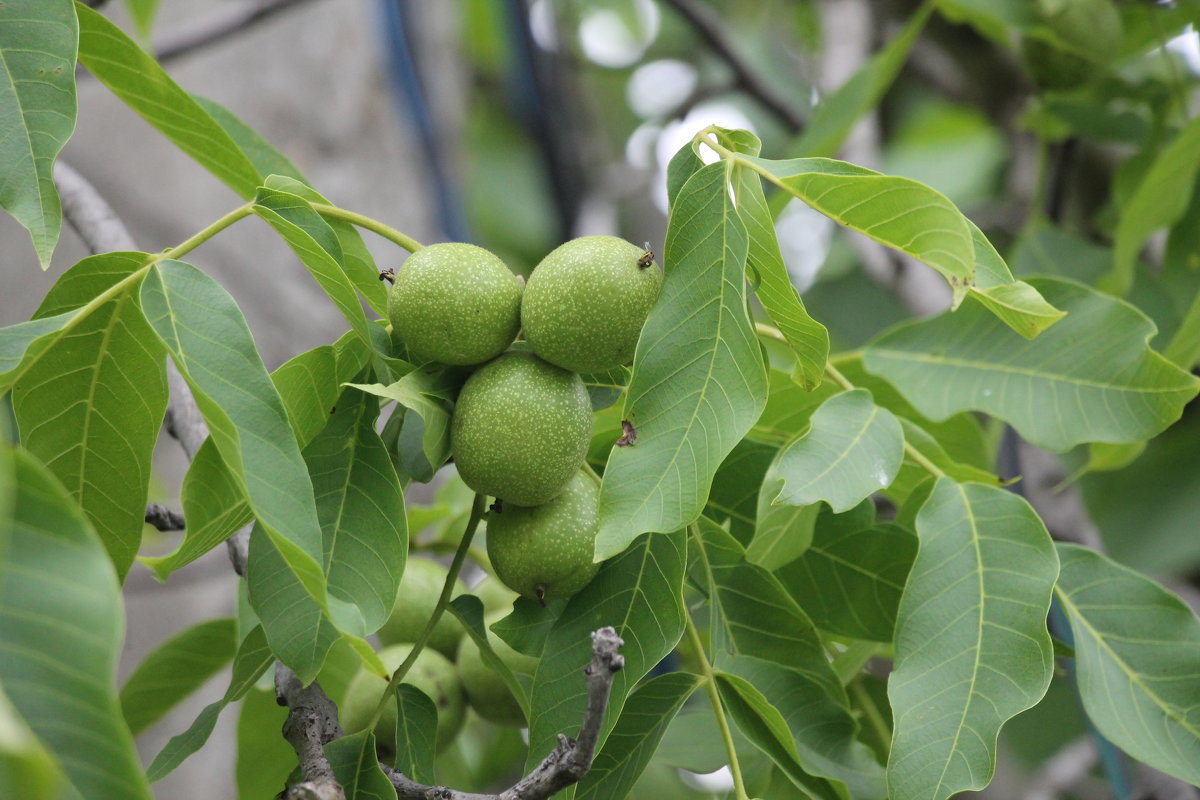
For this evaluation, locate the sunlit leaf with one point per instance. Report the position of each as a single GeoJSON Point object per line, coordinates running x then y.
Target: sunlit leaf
{"type": "Point", "coordinates": [1137, 653]}
{"type": "Point", "coordinates": [972, 649]}
{"type": "Point", "coordinates": [90, 407]}
{"type": "Point", "coordinates": [425, 438]}
{"type": "Point", "coordinates": [851, 449]}
{"type": "Point", "coordinates": [1089, 378]}
{"type": "Point", "coordinates": [61, 625]}
{"type": "Point", "coordinates": [1016, 303]}
{"type": "Point", "coordinates": [175, 669]}
{"type": "Point", "coordinates": [698, 379]}
{"type": "Point", "coordinates": [38, 44]}
{"type": "Point", "coordinates": [204, 330]}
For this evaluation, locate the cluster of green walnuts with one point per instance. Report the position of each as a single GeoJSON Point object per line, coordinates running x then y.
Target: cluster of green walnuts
{"type": "Point", "coordinates": [520, 432]}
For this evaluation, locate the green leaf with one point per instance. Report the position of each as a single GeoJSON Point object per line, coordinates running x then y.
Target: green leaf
{"type": "Point", "coordinates": [852, 575]}
{"type": "Point", "coordinates": [428, 395]}
{"type": "Point", "coordinates": [823, 731]}
{"type": "Point", "coordinates": [91, 405]}
{"type": "Point", "coordinates": [1090, 378]}
{"type": "Point", "coordinates": [61, 626]}
{"type": "Point", "coordinates": [207, 337]}
{"type": "Point", "coordinates": [38, 44]}
{"type": "Point", "coordinates": [1137, 652]}
{"type": "Point", "coordinates": [605, 388]}
{"type": "Point", "coordinates": [698, 381]}
{"type": "Point", "coordinates": [781, 533]}
{"type": "Point", "coordinates": [685, 163]}
{"type": "Point", "coordinates": [1016, 303]}
{"type": "Point", "coordinates": [835, 115]}
{"type": "Point", "coordinates": [175, 669]}
{"type": "Point", "coordinates": [852, 449]}
{"type": "Point", "coordinates": [22, 344]}
{"type": "Point", "coordinates": [357, 769]}
{"type": "Point", "coordinates": [213, 503]}
{"type": "Point", "coordinates": [636, 735]}
{"type": "Point", "coordinates": [898, 212]}
{"type": "Point", "coordinates": [528, 626]}
{"type": "Point", "coordinates": [807, 338]}
{"type": "Point", "coordinates": [251, 660]}
{"type": "Point", "coordinates": [1160, 199]}
{"type": "Point", "coordinates": [317, 247]}
{"type": "Point", "coordinates": [1184, 348]}
{"type": "Point", "coordinates": [416, 716]}
{"type": "Point", "coordinates": [972, 649]}
{"type": "Point", "coordinates": [789, 407]}
{"type": "Point", "coordinates": [639, 593]}
{"type": "Point", "coordinates": [264, 758]}
{"type": "Point", "coordinates": [143, 13]}
{"type": "Point", "coordinates": [283, 175]}
{"type": "Point", "coordinates": [914, 472]}
{"type": "Point", "coordinates": [135, 77]}
{"type": "Point", "coordinates": [361, 509]}
{"type": "Point", "coordinates": [27, 770]}
{"type": "Point", "coordinates": [469, 611]}
{"type": "Point", "coordinates": [755, 613]}
{"type": "Point", "coordinates": [736, 486]}
{"type": "Point", "coordinates": [298, 629]}
{"type": "Point", "coordinates": [763, 725]}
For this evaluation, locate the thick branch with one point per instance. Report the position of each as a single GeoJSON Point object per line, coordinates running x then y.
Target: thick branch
{"type": "Point", "coordinates": [163, 518]}
{"type": "Point", "coordinates": [569, 761]}
{"type": "Point", "coordinates": [221, 25]}
{"type": "Point", "coordinates": [713, 32]}
{"type": "Point", "coordinates": [311, 724]}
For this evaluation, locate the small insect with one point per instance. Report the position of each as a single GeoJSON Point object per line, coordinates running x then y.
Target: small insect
{"type": "Point", "coordinates": [647, 257]}
{"type": "Point", "coordinates": [388, 275]}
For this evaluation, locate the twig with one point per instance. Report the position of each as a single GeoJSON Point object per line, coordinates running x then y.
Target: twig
{"type": "Point", "coordinates": [220, 25]}
{"type": "Point", "coordinates": [164, 518]}
{"type": "Point", "coordinates": [569, 761]}
{"type": "Point", "coordinates": [311, 724]}
{"type": "Point", "coordinates": [713, 32]}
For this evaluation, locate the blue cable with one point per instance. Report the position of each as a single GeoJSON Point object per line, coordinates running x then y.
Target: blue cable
{"type": "Point", "coordinates": [405, 81]}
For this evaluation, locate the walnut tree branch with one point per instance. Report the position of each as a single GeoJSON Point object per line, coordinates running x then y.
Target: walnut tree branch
{"type": "Point", "coordinates": [713, 32]}
{"type": "Point", "coordinates": [220, 25]}
{"type": "Point", "coordinates": [569, 761]}
{"type": "Point", "coordinates": [163, 518]}
{"type": "Point", "coordinates": [312, 723]}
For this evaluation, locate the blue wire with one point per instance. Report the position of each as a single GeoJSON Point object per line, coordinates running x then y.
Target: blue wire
{"type": "Point", "coordinates": [405, 82]}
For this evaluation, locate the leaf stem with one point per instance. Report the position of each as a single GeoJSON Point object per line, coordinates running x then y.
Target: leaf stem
{"type": "Point", "coordinates": [710, 684]}
{"type": "Point", "coordinates": [202, 236]}
{"type": "Point", "coordinates": [375, 226]}
{"type": "Point", "coordinates": [460, 555]}
{"type": "Point", "coordinates": [878, 724]}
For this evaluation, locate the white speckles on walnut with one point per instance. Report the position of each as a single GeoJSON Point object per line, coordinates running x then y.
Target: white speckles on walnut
{"type": "Point", "coordinates": [545, 553]}
{"type": "Point", "coordinates": [521, 429]}
{"type": "Point", "coordinates": [586, 302]}
{"type": "Point", "coordinates": [455, 303]}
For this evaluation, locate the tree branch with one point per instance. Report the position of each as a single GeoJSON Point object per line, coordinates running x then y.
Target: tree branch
{"type": "Point", "coordinates": [569, 761]}
{"type": "Point", "coordinates": [311, 724]}
{"type": "Point", "coordinates": [164, 518]}
{"type": "Point", "coordinates": [713, 32]}
{"type": "Point", "coordinates": [219, 26]}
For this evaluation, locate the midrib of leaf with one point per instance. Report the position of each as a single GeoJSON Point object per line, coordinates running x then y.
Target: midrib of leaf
{"type": "Point", "coordinates": [714, 594]}
{"type": "Point", "coordinates": [856, 568]}
{"type": "Point", "coordinates": [842, 456]}
{"type": "Point", "coordinates": [343, 491]}
{"type": "Point", "coordinates": [990, 366]}
{"type": "Point", "coordinates": [636, 591]}
{"type": "Point", "coordinates": [978, 635]}
{"type": "Point", "coordinates": [712, 353]}
{"type": "Point", "coordinates": [732, 512]}
{"type": "Point", "coordinates": [91, 396]}
{"type": "Point", "coordinates": [1133, 675]}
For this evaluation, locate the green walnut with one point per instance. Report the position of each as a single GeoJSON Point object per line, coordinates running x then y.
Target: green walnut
{"type": "Point", "coordinates": [586, 302]}
{"type": "Point", "coordinates": [455, 303]}
{"type": "Point", "coordinates": [521, 429]}
{"type": "Point", "coordinates": [420, 588]}
{"type": "Point", "coordinates": [497, 598]}
{"type": "Point", "coordinates": [484, 688]}
{"type": "Point", "coordinates": [545, 553]}
{"type": "Point", "coordinates": [432, 673]}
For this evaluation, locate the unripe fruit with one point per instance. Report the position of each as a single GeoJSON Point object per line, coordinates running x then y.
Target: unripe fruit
{"type": "Point", "coordinates": [484, 688]}
{"type": "Point", "coordinates": [497, 598]}
{"type": "Point", "coordinates": [455, 303]}
{"type": "Point", "coordinates": [545, 553]}
{"type": "Point", "coordinates": [432, 673]}
{"type": "Point", "coordinates": [586, 302]}
{"type": "Point", "coordinates": [420, 587]}
{"type": "Point", "coordinates": [521, 429]}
